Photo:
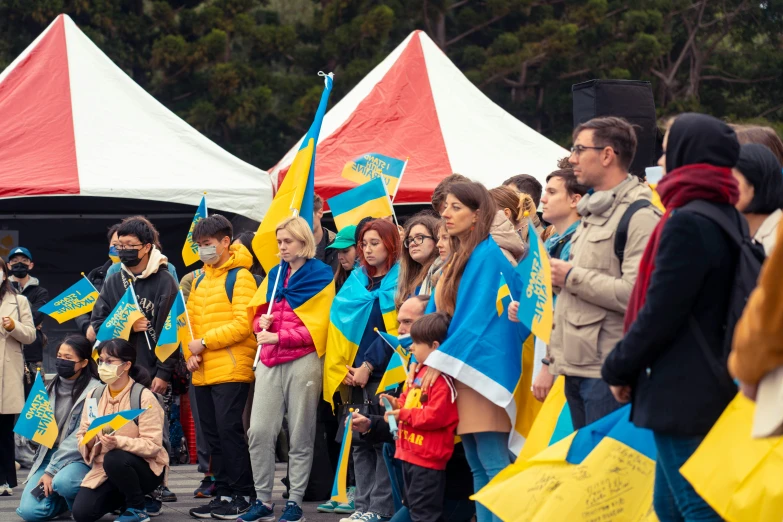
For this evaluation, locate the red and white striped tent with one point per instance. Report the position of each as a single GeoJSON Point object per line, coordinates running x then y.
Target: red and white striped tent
{"type": "Point", "coordinates": [417, 104]}
{"type": "Point", "coordinates": [73, 123]}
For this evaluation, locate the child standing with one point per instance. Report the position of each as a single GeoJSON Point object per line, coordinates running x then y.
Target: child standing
{"type": "Point", "coordinates": [427, 423]}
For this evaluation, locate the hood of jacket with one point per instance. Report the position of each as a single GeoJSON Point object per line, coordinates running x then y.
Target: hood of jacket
{"type": "Point", "coordinates": [506, 236]}
{"type": "Point", "coordinates": [157, 260]}
{"type": "Point", "coordinates": [240, 258]}
{"type": "Point", "coordinates": [33, 281]}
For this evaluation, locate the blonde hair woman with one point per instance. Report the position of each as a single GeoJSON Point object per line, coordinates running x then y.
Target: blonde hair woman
{"type": "Point", "coordinates": [289, 372]}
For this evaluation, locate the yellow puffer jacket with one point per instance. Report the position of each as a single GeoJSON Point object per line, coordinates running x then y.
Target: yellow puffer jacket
{"type": "Point", "coordinates": [223, 324]}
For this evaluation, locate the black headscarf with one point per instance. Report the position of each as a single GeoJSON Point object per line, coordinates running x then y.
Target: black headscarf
{"type": "Point", "coordinates": [761, 168]}
{"type": "Point", "coordinates": [698, 138]}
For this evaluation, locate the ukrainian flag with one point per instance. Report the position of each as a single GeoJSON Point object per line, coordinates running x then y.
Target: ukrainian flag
{"type": "Point", "coordinates": [171, 336]}
{"type": "Point", "coordinates": [535, 305]}
{"type": "Point", "coordinates": [77, 300]}
{"type": "Point", "coordinates": [504, 296]}
{"type": "Point", "coordinates": [373, 165]}
{"type": "Point", "coordinates": [348, 319]}
{"type": "Point", "coordinates": [115, 421]}
{"type": "Point", "coordinates": [190, 248]}
{"type": "Point", "coordinates": [297, 191]}
{"type": "Point", "coordinates": [603, 471]}
{"type": "Point", "coordinates": [340, 487]}
{"type": "Point", "coordinates": [310, 292]}
{"type": "Point", "coordinates": [397, 369]}
{"type": "Point", "coordinates": [367, 200]}
{"type": "Point", "coordinates": [119, 322]}
{"type": "Point", "coordinates": [36, 422]}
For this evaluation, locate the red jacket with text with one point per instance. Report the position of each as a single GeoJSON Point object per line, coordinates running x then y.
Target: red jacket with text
{"type": "Point", "coordinates": [428, 422]}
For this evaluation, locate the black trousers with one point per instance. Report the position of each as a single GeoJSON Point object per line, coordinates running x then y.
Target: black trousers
{"type": "Point", "coordinates": [424, 490]}
{"type": "Point", "coordinates": [7, 450]}
{"type": "Point", "coordinates": [220, 408]}
{"type": "Point", "coordinates": [130, 478]}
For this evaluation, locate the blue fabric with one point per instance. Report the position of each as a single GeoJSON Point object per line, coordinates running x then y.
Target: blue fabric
{"type": "Point", "coordinates": [487, 454]}
{"type": "Point", "coordinates": [589, 400]}
{"type": "Point", "coordinates": [369, 336]}
{"type": "Point", "coordinates": [552, 241]}
{"type": "Point", "coordinates": [65, 485]}
{"type": "Point", "coordinates": [674, 498]}
{"type": "Point", "coordinates": [306, 282]}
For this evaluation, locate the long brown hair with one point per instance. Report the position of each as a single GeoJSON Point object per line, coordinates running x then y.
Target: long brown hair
{"type": "Point", "coordinates": [390, 238]}
{"type": "Point", "coordinates": [507, 198]}
{"type": "Point", "coordinates": [476, 197]}
{"type": "Point", "coordinates": [412, 273]}
{"type": "Point", "coordinates": [5, 286]}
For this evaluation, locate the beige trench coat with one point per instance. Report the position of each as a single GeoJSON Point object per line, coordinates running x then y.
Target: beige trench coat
{"type": "Point", "coordinates": [11, 359]}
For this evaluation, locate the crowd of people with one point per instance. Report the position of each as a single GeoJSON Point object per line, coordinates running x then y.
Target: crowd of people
{"type": "Point", "coordinates": [647, 301]}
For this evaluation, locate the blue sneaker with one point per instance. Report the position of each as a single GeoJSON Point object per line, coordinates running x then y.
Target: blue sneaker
{"type": "Point", "coordinates": [292, 513]}
{"type": "Point", "coordinates": [152, 506]}
{"type": "Point", "coordinates": [258, 512]}
{"type": "Point", "coordinates": [133, 515]}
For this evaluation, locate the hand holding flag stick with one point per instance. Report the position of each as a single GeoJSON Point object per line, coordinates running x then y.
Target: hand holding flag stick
{"type": "Point", "coordinates": [269, 311]}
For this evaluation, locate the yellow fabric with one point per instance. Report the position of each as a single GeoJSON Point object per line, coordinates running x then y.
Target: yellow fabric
{"type": "Point", "coordinates": [114, 393]}
{"type": "Point", "coordinates": [341, 350]}
{"type": "Point", "coordinates": [223, 324]}
{"type": "Point", "coordinates": [541, 432]}
{"type": "Point", "coordinates": [740, 477]}
{"type": "Point", "coordinates": [527, 405]}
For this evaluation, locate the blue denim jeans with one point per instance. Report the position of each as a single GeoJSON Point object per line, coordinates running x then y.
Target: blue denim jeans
{"type": "Point", "coordinates": [487, 454]}
{"type": "Point", "coordinates": [589, 400]}
{"type": "Point", "coordinates": [674, 498]}
{"type": "Point", "coordinates": [65, 485]}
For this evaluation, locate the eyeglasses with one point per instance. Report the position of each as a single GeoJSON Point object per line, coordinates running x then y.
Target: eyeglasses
{"type": "Point", "coordinates": [579, 149]}
{"type": "Point", "coordinates": [129, 247]}
{"type": "Point", "coordinates": [109, 362]}
{"type": "Point", "coordinates": [418, 239]}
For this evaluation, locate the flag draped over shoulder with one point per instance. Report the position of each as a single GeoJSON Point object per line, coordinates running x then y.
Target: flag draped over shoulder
{"type": "Point", "coordinates": [119, 322]}
{"type": "Point", "coordinates": [175, 331]}
{"type": "Point", "coordinates": [368, 200]}
{"type": "Point", "coordinates": [297, 190]}
{"type": "Point", "coordinates": [114, 421]}
{"type": "Point", "coordinates": [36, 422]}
{"type": "Point", "coordinates": [348, 319]}
{"type": "Point", "coordinates": [77, 300]}
{"type": "Point", "coordinates": [484, 352]}
{"type": "Point", "coordinates": [190, 248]}
{"type": "Point", "coordinates": [310, 292]}
{"type": "Point", "coordinates": [536, 306]}
{"type": "Point", "coordinates": [397, 369]}
{"type": "Point", "coordinates": [604, 471]}
{"type": "Point", "coordinates": [373, 165]}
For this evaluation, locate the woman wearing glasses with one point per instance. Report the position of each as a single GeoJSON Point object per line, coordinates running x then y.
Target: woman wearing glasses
{"type": "Point", "coordinates": [418, 255]}
{"type": "Point", "coordinates": [128, 463]}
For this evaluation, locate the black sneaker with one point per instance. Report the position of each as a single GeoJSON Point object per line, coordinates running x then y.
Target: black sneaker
{"type": "Point", "coordinates": [206, 510]}
{"type": "Point", "coordinates": [231, 510]}
{"type": "Point", "coordinates": [164, 494]}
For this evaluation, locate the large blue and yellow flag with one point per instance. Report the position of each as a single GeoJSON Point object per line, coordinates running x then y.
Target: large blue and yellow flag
{"type": "Point", "coordinates": [190, 248]}
{"type": "Point", "coordinates": [368, 200]}
{"type": "Point", "coordinates": [36, 422]}
{"type": "Point", "coordinates": [175, 331]}
{"type": "Point", "coordinates": [310, 292]}
{"type": "Point", "coordinates": [77, 300]}
{"type": "Point", "coordinates": [373, 165]}
{"type": "Point", "coordinates": [604, 471]}
{"type": "Point", "coordinates": [297, 191]}
{"type": "Point", "coordinates": [397, 369]}
{"type": "Point", "coordinates": [115, 421]}
{"type": "Point", "coordinates": [119, 322]}
{"type": "Point", "coordinates": [340, 486]}
{"type": "Point", "coordinates": [348, 320]}
{"type": "Point", "coordinates": [535, 304]}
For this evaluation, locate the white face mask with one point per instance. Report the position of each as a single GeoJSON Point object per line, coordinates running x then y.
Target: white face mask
{"type": "Point", "coordinates": [109, 373]}
{"type": "Point", "coordinates": [208, 254]}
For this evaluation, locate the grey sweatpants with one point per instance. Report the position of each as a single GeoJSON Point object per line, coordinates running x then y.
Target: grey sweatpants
{"type": "Point", "coordinates": [293, 388]}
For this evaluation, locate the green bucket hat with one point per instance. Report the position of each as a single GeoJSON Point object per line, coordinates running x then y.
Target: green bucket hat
{"type": "Point", "coordinates": [345, 238]}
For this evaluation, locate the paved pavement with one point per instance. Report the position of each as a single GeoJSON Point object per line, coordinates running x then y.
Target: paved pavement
{"type": "Point", "coordinates": [182, 481]}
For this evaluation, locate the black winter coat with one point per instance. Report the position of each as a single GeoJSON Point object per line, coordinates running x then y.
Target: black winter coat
{"type": "Point", "coordinates": [675, 390]}
{"type": "Point", "coordinates": [38, 296]}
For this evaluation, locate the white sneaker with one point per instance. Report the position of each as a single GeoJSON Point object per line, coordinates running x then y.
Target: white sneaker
{"type": "Point", "coordinates": [5, 490]}
{"type": "Point", "coordinates": [357, 515]}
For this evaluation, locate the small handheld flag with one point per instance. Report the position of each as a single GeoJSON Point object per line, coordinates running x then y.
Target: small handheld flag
{"type": "Point", "coordinates": [504, 296]}
{"type": "Point", "coordinates": [340, 489]}
{"type": "Point", "coordinates": [77, 300]}
{"type": "Point", "coordinates": [367, 200]}
{"type": "Point", "coordinates": [190, 249]}
{"type": "Point", "coordinates": [175, 331]}
{"type": "Point", "coordinates": [119, 322]}
{"type": "Point", "coordinates": [114, 421]}
{"type": "Point", "coordinates": [536, 306]}
{"type": "Point", "coordinates": [373, 165]}
{"type": "Point", "coordinates": [397, 370]}
{"type": "Point", "coordinates": [36, 422]}
{"type": "Point", "coordinates": [392, 421]}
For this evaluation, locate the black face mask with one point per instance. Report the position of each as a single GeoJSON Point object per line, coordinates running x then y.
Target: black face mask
{"type": "Point", "coordinates": [129, 257]}
{"type": "Point", "coordinates": [65, 368]}
{"type": "Point", "coordinates": [19, 270]}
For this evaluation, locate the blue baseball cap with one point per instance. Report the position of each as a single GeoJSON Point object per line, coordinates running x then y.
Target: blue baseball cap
{"type": "Point", "coordinates": [20, 251]}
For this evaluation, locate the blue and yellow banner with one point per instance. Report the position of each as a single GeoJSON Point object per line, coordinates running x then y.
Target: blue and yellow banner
{"type": "Point", "coordinates": [77, 300]}
{"type": "Point", "coordinates": [340, 486]}
{"type": "Point", "coordinates": [36, 422]}
{"type": "Point", "coordinates": [535, 304]}
{"type": "Point", "coordinates": [348, 319]}
{"type": "Point", "coordinates": [368, 200]}
{"type": "Point", "coordinates": [190, 248]}
{"type": "Point", "coordinates": [373, 165]}
{"type": "Point", "coordinates": [120, 321]}
{"type": "Point", "coordinates": [175, 331]}
{"type": "Point", "coordinates": [503, 298]}
{"type": "Point", "coordinates": [397, 369]}
{"type": "Point", "coordinates": [297, 191]}
{"type": "Point", "coordinates": [115, 421]}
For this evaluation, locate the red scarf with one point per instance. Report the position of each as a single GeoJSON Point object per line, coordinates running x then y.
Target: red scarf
{"type": "Point", "coordinates": [677, 188]}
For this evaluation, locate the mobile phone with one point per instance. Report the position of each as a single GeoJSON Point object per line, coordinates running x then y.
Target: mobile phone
{"type": "Point", "coordinates": [38, 492]}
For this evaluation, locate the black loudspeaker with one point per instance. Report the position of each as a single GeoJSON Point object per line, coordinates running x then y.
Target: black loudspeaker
{"type": "Point", "coordinates": [629, 99]}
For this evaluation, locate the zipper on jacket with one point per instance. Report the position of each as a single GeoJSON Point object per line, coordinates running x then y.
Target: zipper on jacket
{"type": "Point", "coordinates": [231, 354]}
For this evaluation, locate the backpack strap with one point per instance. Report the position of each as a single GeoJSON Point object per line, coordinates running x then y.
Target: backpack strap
{"type": "Point", "coordinates": [97, 392]}
{"type": "Point", "coordinates": [621, 236]}
{"type": "Point", "coordinates": [199, 278]}
{"type": "Point", "coordinates": [231, 281]}
{"type": "Point", "coordinates": [556, 250]}
{"type": "Point", "coordinates": [736, 229]}
{"type": "Point", "coordinates": [135, 398]}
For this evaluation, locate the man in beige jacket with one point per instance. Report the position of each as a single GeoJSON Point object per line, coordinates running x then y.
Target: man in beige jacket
{"type": "Point", "coordinates": [595, 284]}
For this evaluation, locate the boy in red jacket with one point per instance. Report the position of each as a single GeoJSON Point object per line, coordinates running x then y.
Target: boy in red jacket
{"type": "Point", "coordinates": [427, 423]}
